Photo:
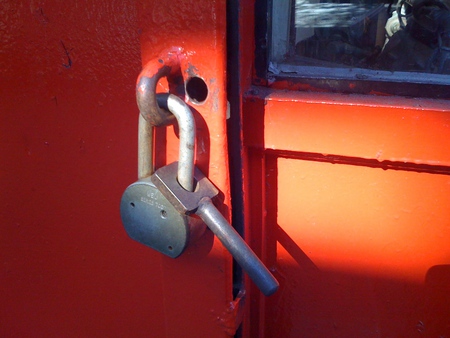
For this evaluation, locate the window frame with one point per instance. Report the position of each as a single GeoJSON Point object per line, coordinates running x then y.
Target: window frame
{"type": "Point", "coordinates": [339, 79]}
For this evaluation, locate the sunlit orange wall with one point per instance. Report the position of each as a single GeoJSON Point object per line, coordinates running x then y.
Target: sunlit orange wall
{"type": "Point", "coordinates": [387, 223]}
{"type": "Point", "coordinates": [355, 213]}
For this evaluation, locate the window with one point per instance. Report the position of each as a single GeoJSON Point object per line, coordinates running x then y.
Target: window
{"type": "Point", "coordinates": [404, 41]}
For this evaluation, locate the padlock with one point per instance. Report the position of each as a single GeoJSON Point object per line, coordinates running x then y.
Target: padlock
{"type": "Point", "coordinates": [200, 202]}
{"type": "Point", "coordinates": [148, 217]}
{"type": "Point", "coordinates": [155, 210]}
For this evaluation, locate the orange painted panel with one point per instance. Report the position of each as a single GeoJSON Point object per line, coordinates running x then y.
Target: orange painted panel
{"type": "Point", "coordinates": [349, 201]}
{"type": "Point", "coordinates": [359, 251]}
{"type": "Point", "coordinates": [392, 224]}
{"type": "Point", "coordinates": [369, 127]}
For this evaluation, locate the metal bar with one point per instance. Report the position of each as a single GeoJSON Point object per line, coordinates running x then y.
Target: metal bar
{"type": "Point", "coordinates": [186, 124]}
{"type": "Point", "coordinates": [241, 252]}
{"type": "Point", "coordinates": [145, 148]}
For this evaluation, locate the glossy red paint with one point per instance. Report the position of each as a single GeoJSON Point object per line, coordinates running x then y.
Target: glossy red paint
{"type": "Point", "coordinates": [69, 143]}
{"type": "Point", "coordinates": [68, 138]}
{"type": "Point", "coordinates": [346, 197]}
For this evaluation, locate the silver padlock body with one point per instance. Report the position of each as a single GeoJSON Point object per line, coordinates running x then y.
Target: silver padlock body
{"type": "Point", "coordinates": [150, 219]}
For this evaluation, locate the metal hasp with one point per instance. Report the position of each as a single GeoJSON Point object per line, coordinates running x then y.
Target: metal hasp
{"type": "Point", "coordinates": [166, 66]}
{"type": "Point", "coordinates": [153, 107]}
{"type": "Point", "coordinates": [200, 202]}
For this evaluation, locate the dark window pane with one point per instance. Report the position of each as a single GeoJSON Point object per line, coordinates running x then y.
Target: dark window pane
{"type": "Point", "coordinates": [380, 37]}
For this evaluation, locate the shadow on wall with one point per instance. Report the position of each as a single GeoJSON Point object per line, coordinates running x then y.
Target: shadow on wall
{"type": "Point", "coordinates": [327, 303]}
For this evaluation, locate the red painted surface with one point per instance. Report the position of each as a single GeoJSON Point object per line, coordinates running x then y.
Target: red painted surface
{"type": "Point", "coordinates": [369, 127]}
{"type": "Point", "coordinates": [346, 197]}
{"type": "Point", "coordinates": [68, 136]}
{"type": "Point", "coordinates": [350, 200]}
{"type": "Point", "coordinates": [68, 149]}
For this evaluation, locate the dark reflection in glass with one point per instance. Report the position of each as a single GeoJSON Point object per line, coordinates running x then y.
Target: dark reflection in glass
{"type": "Point", "coordinates": [408, 35]}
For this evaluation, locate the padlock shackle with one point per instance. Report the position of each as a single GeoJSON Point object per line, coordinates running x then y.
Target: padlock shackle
{"type": "Point", "coordinates": [145, 140]}
{"type": "Point", "coordinates": [186, 157]}
{"type": "Point", "coordinates": [145, 148]}
{"type": "Point", "coordinates": [186, 126]}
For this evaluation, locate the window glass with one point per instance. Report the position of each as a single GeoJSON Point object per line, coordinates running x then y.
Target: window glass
{"type": "Point", "coordinates": [378, 37]}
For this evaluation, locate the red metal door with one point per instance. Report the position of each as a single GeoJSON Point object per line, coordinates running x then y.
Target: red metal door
{"type": "Point", "coordinates": [69, 149]}
{"type": "Point", "coordinates": [344, 197]}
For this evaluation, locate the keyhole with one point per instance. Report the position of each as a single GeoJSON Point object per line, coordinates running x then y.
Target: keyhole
{"type": "Point", "coordinates": [170, 247]}
{"type": "Point", "coordinates": [132, 204]}
{"type": "Point", "coordinates": [163, 214]}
